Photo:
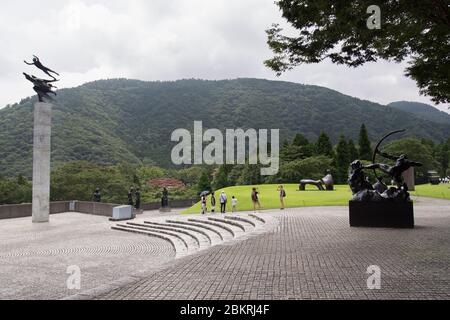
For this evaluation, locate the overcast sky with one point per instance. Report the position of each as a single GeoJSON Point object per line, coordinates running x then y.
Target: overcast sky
{"type": "Point", "coordinates": [87, 40]}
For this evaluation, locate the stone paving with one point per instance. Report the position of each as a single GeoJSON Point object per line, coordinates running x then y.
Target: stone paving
{"type": "Point", "coordinates": [313, 254]}
{"type": "Point", "coordinates": [34, 257]}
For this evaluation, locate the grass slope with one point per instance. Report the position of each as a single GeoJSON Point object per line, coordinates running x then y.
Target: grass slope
{"type": "Point", "coordinates": [269, 196]}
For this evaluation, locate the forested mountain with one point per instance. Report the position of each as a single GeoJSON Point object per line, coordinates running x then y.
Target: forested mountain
{"type": "Point", "coordinates": [111, 121]}
{"type": "Point", "coordinates": [423, 111]}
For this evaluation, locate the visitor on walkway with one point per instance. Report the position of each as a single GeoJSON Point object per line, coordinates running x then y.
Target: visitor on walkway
{"type": "Point", "coordinates": [130, 197]}
{"type": "Point", "coordinates": [213, 203]}
{"type": "Point", "coordinates": [223, 202]}
{"type": "Point", "coordinates": [255, 200]}
{"type": "Point", "coordinates": [282, 196]}
{"type": "Point", "coordinates": [204, 209]}
{"type": "Point", "coordinates": [234, 204]}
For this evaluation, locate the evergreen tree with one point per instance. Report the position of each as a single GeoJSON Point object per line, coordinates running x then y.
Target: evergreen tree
{"type": "Point", "coordinates": [342, 160]}
{"type": "Point", "coordinates": [221, 179]}
{"type": "Point", "coordinates": [204, 182]}
{"type": "Point", "coordinates": [443, 156]}
{"type": "Point", "coordinates": [324, 146]}
{"type": "Point", "coordinates": [300, 140]}
{"type": "Point", "coordinates": [352, 151]}
{"type": "Point", "coordinates": [365, 150]}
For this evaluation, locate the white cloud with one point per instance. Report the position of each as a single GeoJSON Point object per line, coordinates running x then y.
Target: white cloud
{"type": "Point", "coordinates": [166, 40]}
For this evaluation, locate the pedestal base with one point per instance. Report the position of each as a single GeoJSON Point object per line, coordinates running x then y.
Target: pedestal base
{"type": "Point", "coordinates": [382, 214]}
{"type": "Point", "coordinates": [41, 162]}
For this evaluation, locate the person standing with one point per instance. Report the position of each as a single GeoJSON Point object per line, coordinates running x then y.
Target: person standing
{"type": "Point", "coordinates": [234, 204]}
{"type": "Point", "coordinates": [130, 197]}
{"type": "Point", "coordinates": [137, 195]}
{"type": "Point", "coordinates": [213, 203]}
{"type": "Point", "coordinates": [204, 209]}
{"type": "Point", "coordinates": [282, 196]}
{"type": "Point", "coordinates": [223, 202]}
{"type": "Point", "coordinates": [255, 199]}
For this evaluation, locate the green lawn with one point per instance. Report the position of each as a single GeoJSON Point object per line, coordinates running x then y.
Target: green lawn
{"type": "Point", "coordinates": [269, 196]}
{"type": "Point", "coordinates": [441, 191]}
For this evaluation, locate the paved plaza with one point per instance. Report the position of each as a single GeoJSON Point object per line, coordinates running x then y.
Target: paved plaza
{"type": "Point", "coordinates": [309, 253]}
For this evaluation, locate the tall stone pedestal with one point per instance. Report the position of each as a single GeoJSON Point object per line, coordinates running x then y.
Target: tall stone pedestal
{"type": "Point", "coordinates": [409, 178]}
{"type": "Point", "coordinates": [41, 162]}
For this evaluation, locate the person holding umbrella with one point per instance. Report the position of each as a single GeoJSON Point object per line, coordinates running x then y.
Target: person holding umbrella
{"type": "Point", "coordinates": [204, 198]}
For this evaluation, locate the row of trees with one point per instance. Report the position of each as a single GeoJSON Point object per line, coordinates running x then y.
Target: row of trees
{"type": "Point", "coordinates": [299, 159]}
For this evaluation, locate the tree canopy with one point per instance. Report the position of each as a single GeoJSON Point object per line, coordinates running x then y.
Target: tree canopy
{"type": "Point", "coordinates": [416, 31]}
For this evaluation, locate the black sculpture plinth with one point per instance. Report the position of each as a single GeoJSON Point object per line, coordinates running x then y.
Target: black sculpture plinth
{"type": "Point", "coordinates": [383, 214]}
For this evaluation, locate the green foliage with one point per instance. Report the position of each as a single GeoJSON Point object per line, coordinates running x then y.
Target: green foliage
{"type": "Point", "coordinates": [309, 168]}
{"type": "Point", "coordinates": [78, 180]}
{"type": "Point", "coordinates": [365, 150]}
{"type": "Point", "coordinates": [324, 146]}
{"type": "Point", "coordinates": [342, 160]}
{"type": "Point", "coordinates": [337, 30]}
{"type": "Point", "coordinates": [114, 121]}
{"type": "Point", "coordinates": [352, 151]}
{"type": "Point", "coordinates": [15, 191]}
{"type": "Point", "coordinates": [204, 183]}
{"type": "Point", "coordinates": [416, 151]}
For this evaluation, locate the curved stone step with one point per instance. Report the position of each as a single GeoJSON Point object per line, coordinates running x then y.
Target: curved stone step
{"type": "Point", "coordinates": [257, 218]}
{"type": "Point", "coordinates": [237, 218]}
{"type": "Point", "coordinates": [149, 226]}
{"type": "Point", "coordinates": [178, 236]}
{"type": "Point", "coordinates": [215, 224]}
{"type": "Point", "coordinates": [178, 246]}
{"type": "Point", "coordinates": [193, 224]}
{"type": "Point", "coordinates": [183, 227]}
{"type": "Point", "coordinates": [231, 223]}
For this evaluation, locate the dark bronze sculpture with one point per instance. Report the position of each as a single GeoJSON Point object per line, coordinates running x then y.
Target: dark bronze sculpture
{"type": "Point", "coordinates": [36, 62]}
{"type": "Point", "coordinates": [42, 87]}
{"type": "Point", "coordinates": [138, 199]}
{"type": "Point", "coordinates": [327, 181]}
{"type": "Point", "coordinates": [363, 190]}
{"type": "Point", "coordinates": [165, 198]}
{"type": "Point", "coordinates": [97, 195]}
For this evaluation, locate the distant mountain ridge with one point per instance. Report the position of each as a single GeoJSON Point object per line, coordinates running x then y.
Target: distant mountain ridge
{"type": "Point", "coordinates": [423, 111]}
{"type": "Point", "coordinates": [110, 121]}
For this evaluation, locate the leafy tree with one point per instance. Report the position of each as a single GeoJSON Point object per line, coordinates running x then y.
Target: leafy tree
{"type": "Point", "coordinates": [337, 30]}
{"type": "Point", "coordinates": [324, 146]}
{"type": "Point", "coordinates": [365, 150]}
{"type": "Point", "coordinates": [342, 160]}
{"type": "Point", "coordinates": [309, 168]}
{"type": "Point", "coordinates": [416, 151]}
{"type": "Point", "coordinates": [78, 180]}
{"type": "Point", "coordinates": [14, 191]}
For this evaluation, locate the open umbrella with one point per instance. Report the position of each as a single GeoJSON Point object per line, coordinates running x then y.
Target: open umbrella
{"type": "Point", "coordinates": [205, 193]}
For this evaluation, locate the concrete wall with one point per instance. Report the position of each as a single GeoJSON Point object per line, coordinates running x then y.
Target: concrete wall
{"type": "Point", "coordinates": [25, 210]}
{"type": "Point", "coordinates": [172, 204]}
{"type": "Point", "coordinates": [94, 208]}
